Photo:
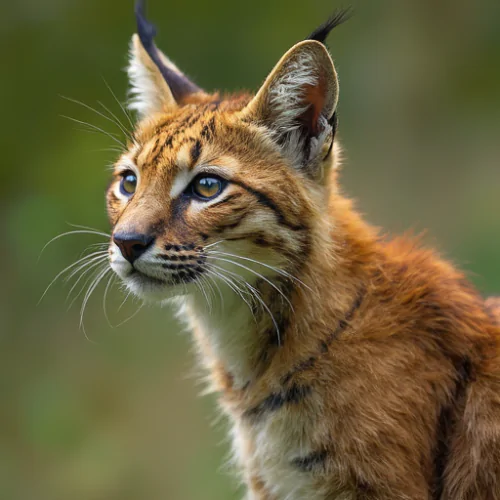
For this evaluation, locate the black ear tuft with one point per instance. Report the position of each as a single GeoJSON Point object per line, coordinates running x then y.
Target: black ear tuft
{"type": "Point", "coordinates": [338, 17]}
{"type": "Point", "coordinates": [145, 29]}
{"type": "Point", "coordinates": [179, 85]}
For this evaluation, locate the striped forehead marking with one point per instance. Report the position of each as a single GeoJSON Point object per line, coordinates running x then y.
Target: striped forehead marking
{"type": "Point", "coordinates": [186, 159]}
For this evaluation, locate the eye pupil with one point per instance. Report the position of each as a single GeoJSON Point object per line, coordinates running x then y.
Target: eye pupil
{"type": "Point", "coordinates": [128, 184]}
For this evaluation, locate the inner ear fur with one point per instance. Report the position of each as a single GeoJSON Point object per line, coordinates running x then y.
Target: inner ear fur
{"type": "Point", "coordinates": [298, 99]}
{"type": "Point", "coordinates": [149, 92]}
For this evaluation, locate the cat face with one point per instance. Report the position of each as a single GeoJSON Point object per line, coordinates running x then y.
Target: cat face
{"type": "Point", "coordinates": [217, 187]}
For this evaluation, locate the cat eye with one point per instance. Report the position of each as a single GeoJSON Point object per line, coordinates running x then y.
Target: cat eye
{"type": "Point", "coordinates": [128, 183]}
{"type": "Point", "coordinates": [207, 187]}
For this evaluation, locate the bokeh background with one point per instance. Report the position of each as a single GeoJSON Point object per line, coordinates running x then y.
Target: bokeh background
{"type": "Point", "coordinates": [114, 414]}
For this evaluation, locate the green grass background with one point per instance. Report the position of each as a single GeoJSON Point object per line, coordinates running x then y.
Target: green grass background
{"type": "Point", "coordinates": [118, 417]}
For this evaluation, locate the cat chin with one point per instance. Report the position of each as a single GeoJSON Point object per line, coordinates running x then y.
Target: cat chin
{"type": "Point", "coordinates": [155, 291]}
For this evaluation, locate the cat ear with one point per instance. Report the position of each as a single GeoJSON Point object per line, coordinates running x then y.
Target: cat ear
{"type": "Point", "coordinates": [297, 103]}
{"type": "Point", "coordinates": [156, 84]}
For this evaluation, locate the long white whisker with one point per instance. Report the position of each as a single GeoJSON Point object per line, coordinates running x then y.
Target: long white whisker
{"type": "Point", "coordinates": [101, 257]}
{"type": "Point", "coordinates": [230, 283]}
{"type": "Point", "coordinates": [208, 281]}
{"type": "Point", "coordinates": [256, 274]}
{"type": "Point", "coordinates": [71, 266]}
{"type": "Point", "coordinates": [91, 289]}
{"type": "Point", "coordinates": [213, 244]}
{"type": "Point", "coordinates": [100, 265]}
{"type": "Point", "coordinates": [272, 268]}
{"type": "Point", "coordinates": [218, 288]}
{"type": "Point", "coordinates": [69, 233]}
{"type": "Point", "coordinates": [199, 284]}
{"type": "Point", "coordinates": [96, 231]}
{"type": "Point", "coordinates": [124, 300]}
{"type": "Point", "coordinates": [127, 115]}
{"type": "Point", "coordinates": [109, 284]}
{"type": "Point", "coordinates": [131, 316]}
{"type": "Point", "coordinates": [96, 129]}
{"type": "Point", "coordinates": [114, 121]}
{"type": "Point", "coordinates": [117, 121]}
{"type": "Point", "coordinates": [256, 294]}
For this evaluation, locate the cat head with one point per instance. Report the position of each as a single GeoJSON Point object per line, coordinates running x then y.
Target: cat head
{"type": "Point", "coordinates": [223, 187]}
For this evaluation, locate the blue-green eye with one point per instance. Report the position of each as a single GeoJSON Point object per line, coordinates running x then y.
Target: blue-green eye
{"type": "Point", "coordinates": [128, 184]}
{"type": "Point", "coordinates": [207, 187]}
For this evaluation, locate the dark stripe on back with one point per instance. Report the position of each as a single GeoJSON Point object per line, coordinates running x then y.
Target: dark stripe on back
{"type": "Point", "coordinates": [309, 363]}
{"type": "Point", "coordinates": [312, 462]}
{"type": "Point", "coordinates": [344, 323]}
{"type": "Point", "coordinates": [266, 201]}
{"type": "Point", "coordinates": [276, 400]}
{"type": "Point", "coordinates": [446, 421]}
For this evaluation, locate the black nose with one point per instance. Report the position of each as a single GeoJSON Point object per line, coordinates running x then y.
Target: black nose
{"type": "Point", "coordinates": [133, 245]}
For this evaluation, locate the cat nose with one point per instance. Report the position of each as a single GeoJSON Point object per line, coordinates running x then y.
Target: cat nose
{"type": "Point", "coordinates": [133, 245]}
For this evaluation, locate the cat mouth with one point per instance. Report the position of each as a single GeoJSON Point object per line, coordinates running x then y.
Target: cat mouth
{"type": "Point", "coordinates": [142, 278]}
{"type": "Point", "coordinates": [143, 284]}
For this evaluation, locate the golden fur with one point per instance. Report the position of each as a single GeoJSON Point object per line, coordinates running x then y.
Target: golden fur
{"type": "Point", "coordinates": [350, 366]}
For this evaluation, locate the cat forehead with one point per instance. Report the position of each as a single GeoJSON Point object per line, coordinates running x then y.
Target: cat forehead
{"type": "Point", "coordinates": [187, 124]}
{"type": "Point", "coordinates": [193, 135]}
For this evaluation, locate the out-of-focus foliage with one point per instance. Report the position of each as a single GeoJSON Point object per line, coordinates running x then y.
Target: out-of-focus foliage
{"type": "Point", "coordinates": [118, 417]}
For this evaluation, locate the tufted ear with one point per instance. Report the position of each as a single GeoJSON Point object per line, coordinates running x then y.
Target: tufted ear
{"type": "Point", "coordinates": [156, 84]}
{"type": "Point", "coordinates": [297, 103]}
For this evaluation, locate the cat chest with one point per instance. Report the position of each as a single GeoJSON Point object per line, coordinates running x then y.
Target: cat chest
{"type": "Point", "coordinates": [281, 451]}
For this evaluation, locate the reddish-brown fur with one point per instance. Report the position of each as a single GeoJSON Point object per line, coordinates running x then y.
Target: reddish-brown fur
{"type": "Point", "coordinates": [384, 379]}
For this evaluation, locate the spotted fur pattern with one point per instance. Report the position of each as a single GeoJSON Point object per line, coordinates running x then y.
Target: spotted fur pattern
{"type": "Point", "coordinates": [350, 367]}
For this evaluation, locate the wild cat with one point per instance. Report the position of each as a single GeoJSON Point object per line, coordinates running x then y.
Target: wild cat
{"type": "Point", "coordinates": [350, 367]}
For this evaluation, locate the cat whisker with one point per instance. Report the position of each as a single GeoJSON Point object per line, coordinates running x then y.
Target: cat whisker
{"type": "Point", "coordinates": [255, 293]}
{"type": "Point", "coordinates": [109, 284]}
{"type": "Point", "coordinates": [221, 273]}
{"type": "Point", "coordinates": [89, 292]}
{"type": "Point", "coordinates": [138, 310]}
{"type": "Point", "coordinates": [71, 266]}
{"type": "Point", "coordinates": [258, 275]}
{"type": "Point", "coordinates": [84, 273]}
{"type": "Point", "coordinates": [95, 128]}
{"type": "Point", "coordinates": [125, 112]}
{"type": "Point", "coordinates": [118, 122]}
{"type": "Point", "coordinates": [69, 233]}
{"type": "Point", "coordinates": [213, 244]}
{"type": "Point", "coordinates": [272, 268]}
{"type": "Point", "coordinates": [113, 119]}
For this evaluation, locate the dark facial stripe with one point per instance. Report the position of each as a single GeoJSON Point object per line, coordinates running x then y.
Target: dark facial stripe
{"type": "Point", "coordinates": [196, 151]}
{"type": "Point", "coordinates": [312, 462]}
{"type": "Point", "coordinates": [232, 225]}
{"type": "Point", "coordinates": [266, 201]}
{"type": "Point", "coordinates": [208, 130]}
{"type": "Point", "coordinates": [276, 400]}
{"type": "Point", "coordinates": [157, 149]}
{"type": "Point", "coordinates": [232, 197]}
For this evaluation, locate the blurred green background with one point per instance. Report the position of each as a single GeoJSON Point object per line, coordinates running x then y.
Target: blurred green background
{"type": "Point", "coordinates": [118, 417]}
